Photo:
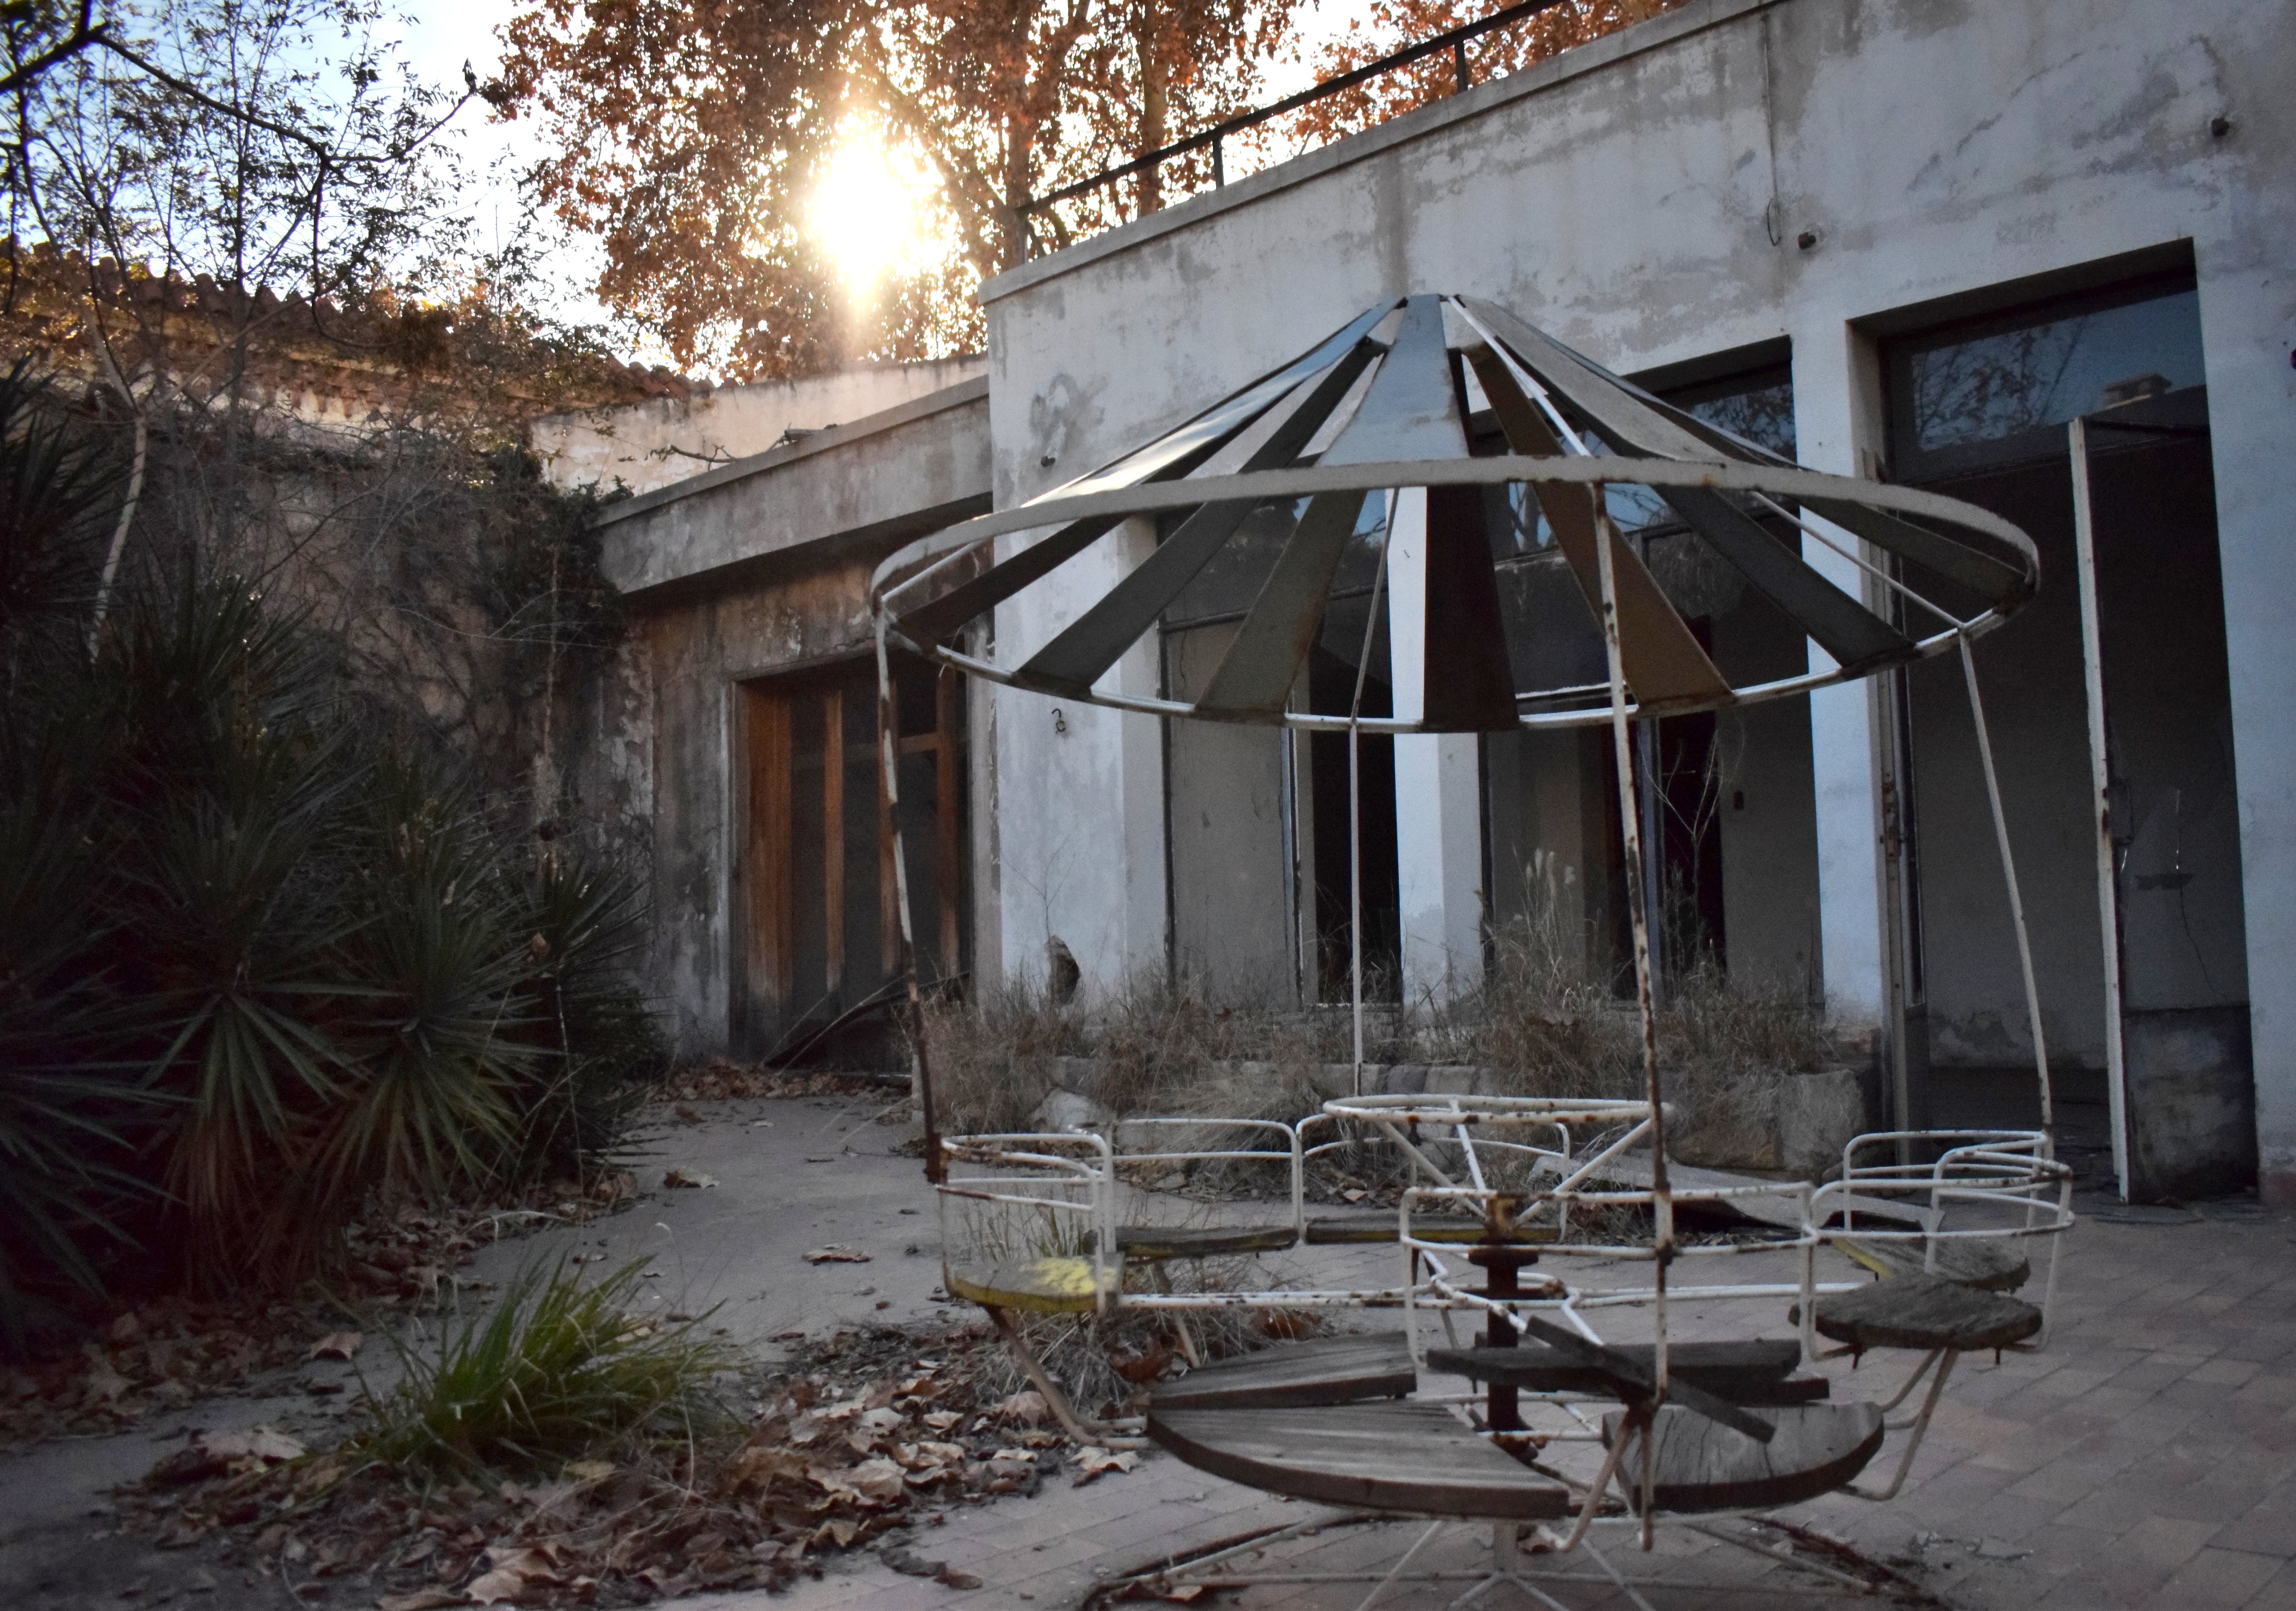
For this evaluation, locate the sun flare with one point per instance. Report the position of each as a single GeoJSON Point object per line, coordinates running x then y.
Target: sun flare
{"type": "Point", "coordinates": [866, 216]}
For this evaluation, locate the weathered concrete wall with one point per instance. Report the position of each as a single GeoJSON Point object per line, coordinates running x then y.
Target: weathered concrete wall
{"type": "Point", "coordinates": [1646, 198]}
{"type": "Point", "coordinates": [907, 471]}
{"type": "Point", "coordinates": [758, 567]}
{"type": "Point", "coordinates": [643, 446]}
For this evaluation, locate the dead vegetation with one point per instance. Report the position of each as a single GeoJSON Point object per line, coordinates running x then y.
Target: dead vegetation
{"type": "Point", "coordinates": [708, 1474]}
{"type": "Point", "coordinates": [1540, 1024]}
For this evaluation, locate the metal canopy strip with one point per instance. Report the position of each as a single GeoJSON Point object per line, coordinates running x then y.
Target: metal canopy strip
{"type": "Point", "coordinates": [1411, 411]}
{"type": "Point", "coordinates": [1839, 625]}
{"type": "Point", "coordinates": [1168, 458]}
{"type": "Point", "coordinates": [1263, 661]}
{"type": "Point", "coordinates": [1075, 659]}
{"type": "Point", "coordinates": [1389, 393]}
{"type": "Point", "coordinates": [1620, 416]}
{"type": "Point", "coordinates": [1468, 683]}
{"type": "Point", "coordinates": [1665, 663]}
{"type": "Point", "coordinates": [2002, 582]}
{"type": "Point", "coordinates": [1179, 451]}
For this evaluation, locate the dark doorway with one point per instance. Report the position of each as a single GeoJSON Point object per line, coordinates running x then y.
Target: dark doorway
{"type": "Point", "coordinates": [821, 931]}
{"type": "Point", "coordinates": [1980, 410]}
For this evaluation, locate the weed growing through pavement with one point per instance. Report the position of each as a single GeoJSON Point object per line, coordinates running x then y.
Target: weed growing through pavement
{"type": "Point", "coordinates": [559, 1370]}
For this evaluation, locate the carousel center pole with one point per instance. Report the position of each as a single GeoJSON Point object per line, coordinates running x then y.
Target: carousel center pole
{"type": "Point", "coordinates": [1630, 832]}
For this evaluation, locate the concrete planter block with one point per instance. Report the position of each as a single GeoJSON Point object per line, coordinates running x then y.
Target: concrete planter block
{"type": "Point", "coordinates": [1794, 1123]}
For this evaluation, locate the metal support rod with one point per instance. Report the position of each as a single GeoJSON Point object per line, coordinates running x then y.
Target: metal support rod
{"type": "Point", "coordinates": [1461, 79]}
{"type": "Point", "coordinates": [2009, 878]}
{"type": "Point", "coordinates": [889, 756]}
{"type": "Point", "coordinates": [1921, 1427]}
{"type": "Point", "coordinates": [1652, 809]}
{"type": "Point", "coordinates": [1662, 1193]}
{"type": "Point", "coordinates": [1355, 798]}
{"type": "Point", "coordinates": [2108, 895]}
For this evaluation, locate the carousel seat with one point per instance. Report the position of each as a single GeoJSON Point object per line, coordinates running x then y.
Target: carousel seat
{"type": "Point", "coordinates": [1925, 1311]}
{"type": "Point", "coordinates": [1321, 1370]}
{"type": "Point", "coordinates": [1988, 1264]}
{"type": "Point", "coordinates": [1401, 1456]}
{"type": "Point", "coordinates": [1703, 1466]}
{"type": "Point", "coordinates": [1044, 1285]}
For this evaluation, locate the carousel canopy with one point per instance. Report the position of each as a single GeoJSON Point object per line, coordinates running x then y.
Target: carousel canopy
{"type": "Point", "coordinates": [1433, 441]}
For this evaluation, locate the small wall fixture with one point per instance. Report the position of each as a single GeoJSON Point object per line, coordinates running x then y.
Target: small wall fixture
{"type": "Point", "coordinates": [1059, 721]}
{"type": "Point", "coordinates": [2220, 126]}
{"type": "Point", "coordinates": [1806, 240]}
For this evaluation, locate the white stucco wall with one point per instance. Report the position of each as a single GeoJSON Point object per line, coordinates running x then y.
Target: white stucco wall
{"type": "Point", "coordinates": [1643, 198]}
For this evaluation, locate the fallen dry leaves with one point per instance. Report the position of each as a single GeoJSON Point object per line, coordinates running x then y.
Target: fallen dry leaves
{"type": "Point", "coordinates": [171, 1352]}
{"type": "Point", "coordinates": [857, 1441]}
{"type": "Point", "coordinates": [723, 1079]}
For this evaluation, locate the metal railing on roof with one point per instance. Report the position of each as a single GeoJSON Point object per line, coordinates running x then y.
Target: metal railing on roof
{"type": "Point", "coordinates": [1455, 41]}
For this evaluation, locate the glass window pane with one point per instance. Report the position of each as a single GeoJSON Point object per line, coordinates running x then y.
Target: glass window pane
{"type": "Point", "coordinates": [1761, 411]}
{"type": "Point", "coordinates": [1988, 387]}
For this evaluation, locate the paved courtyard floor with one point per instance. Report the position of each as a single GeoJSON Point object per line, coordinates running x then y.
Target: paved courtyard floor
{"type": "Point", "coordinates": [2143, 1458]}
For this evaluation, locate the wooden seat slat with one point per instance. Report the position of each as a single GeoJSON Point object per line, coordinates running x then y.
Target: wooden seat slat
{"type": "Point", "coordinates": [1924, 1312]}
{"type": "Point", "coordinates": [1702, 1466]}
{"type": "Point", "coordinates": [1339, 1231]}
{"type": "Point", "coordinates": [1150, 1243]}
{"type": "Point", "coordinates": [1321, 1370]}
{"type": "Point", "coordinates": [1397, 1456]}
{"type": "Point", "coordinates": [1345, 1229]}
{"type": "Point", "coordinates": [1988, 1264]}
{"type": "Point", "coordinates": [1757, 1371]}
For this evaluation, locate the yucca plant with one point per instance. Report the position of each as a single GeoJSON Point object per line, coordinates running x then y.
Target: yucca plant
{"type": "Point", "coordinates": [598, 1041]}
{"type": "Point", "coordinates": [225, 794]}
{"type": "Point", "coordinates": [560, 1370]}
{"type": "Point", "coordinates": [432, 1036]}
{"type": "Point", "coordinates": [59, 487]}
{"type": "Point", "coordinates": [74, 1095]}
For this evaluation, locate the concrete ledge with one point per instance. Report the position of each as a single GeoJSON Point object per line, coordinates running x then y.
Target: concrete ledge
{"type": "Point", "coordinates": [895, 474]}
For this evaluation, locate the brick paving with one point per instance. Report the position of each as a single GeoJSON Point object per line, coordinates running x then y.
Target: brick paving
{"type": "Point", "coordinates": [2146, 1458]}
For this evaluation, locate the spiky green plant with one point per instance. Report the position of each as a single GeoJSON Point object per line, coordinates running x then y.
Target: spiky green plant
{"type": "Point", "coordinates": [73, 1095]}
{"type": "Point", "coordinates": [430, 1038]}
{"type": "Point", "coordinates": [598, 1045]}
{"type": "Point", "coordinates": [560, 1370]}
{"type": "Point", "coordinates": [58, 490]}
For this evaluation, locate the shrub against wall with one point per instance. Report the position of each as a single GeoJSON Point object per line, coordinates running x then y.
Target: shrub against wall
{"type": "Point", "coordinates": [274, 932]}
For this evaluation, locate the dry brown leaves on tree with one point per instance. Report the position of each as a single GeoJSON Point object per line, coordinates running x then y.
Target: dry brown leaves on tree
{"type": "Point", "coordinates": [865, 1438]}
{"type": "Point", "coordinates": [693, 139]}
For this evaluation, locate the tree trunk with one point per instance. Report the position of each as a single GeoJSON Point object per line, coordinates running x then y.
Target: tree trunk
{"type": "Point", "coordinates": [1019, 136]}
{"type": "Point", "coordinates": [1153, 79]}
